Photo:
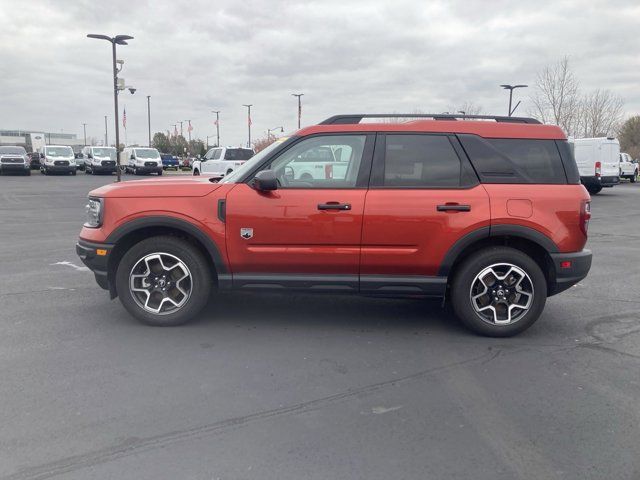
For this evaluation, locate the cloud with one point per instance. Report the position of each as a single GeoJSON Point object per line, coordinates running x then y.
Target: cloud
{"type": "Point", "coordinates": [357, 56]}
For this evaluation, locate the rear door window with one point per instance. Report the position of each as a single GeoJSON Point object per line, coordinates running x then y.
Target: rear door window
{"type": "Point", "coordinates": [514, 160]}
{"type": "Point", "coordinates": [427, 161]}
{"type": "Point", "coordinates": [238, 154]}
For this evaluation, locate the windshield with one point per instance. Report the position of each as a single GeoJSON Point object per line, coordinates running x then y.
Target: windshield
{"type": "Point", "coordinates": [146, 153]}
{"type": "Point", "coordinates": [104, 152]}
{"type": "Point", "coordinates": [58, 152]}
{"type": "Point", "coordinates": [13, 150]}
{"type": "Point", "coordinates": [255, 160]}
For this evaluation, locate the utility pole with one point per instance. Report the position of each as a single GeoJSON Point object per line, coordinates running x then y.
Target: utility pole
{"type": "Point", "coordinates": [248, 121]}
{"type": "Point", "coordinates": [180, 128]}
{"type": "Point", "coordinates": [106, 134]}
{"type": "Point", "coordinates": [299, 106]}
{"type": "Point", "coordinates": [84, 127]}
{"type": "Point", "coordinates": [149, 117]}
{"type": "Point", "coordinates": [217, 112]}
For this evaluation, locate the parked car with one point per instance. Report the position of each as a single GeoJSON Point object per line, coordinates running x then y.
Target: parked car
{"type": "Point", "coordinates": [139, 160]}
{"type": "Point", "coordinates": [598, 161]}
{"type": "Point", "coordinates": [628, 167]}
{"type": "Point", "coordinates": [14, 159]}
{"type": "Point", "coordinates": [34, 160]}
{"type": "Point", "coordinates": [57, 159]}
{"type": "Point", "coordinates": [80, 161]}
{"type": "Point", "coordinates": [169, 161]}
{"type": "Point", "coordinates": [222, 160]}
{"type": "Point", "coordinates": [490, 215]}
{"type": "Point", "coordinates": [100, 160]}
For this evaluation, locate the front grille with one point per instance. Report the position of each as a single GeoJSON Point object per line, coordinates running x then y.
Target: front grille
{"type": "Point", "coordinates": [61, 163]}
{"type": "Point", "coordinates": [108, 163]}
{"type": "Point", "coordinates": [11, 160]}
{"type": "Point", "coordinates": [150, 164]}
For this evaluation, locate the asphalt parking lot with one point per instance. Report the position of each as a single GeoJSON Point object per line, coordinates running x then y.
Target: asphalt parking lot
{"type": "Point", "coordinates": [293, 387]}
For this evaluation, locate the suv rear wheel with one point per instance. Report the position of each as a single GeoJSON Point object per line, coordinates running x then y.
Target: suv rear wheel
{"type": "Point", "coordinates": [163, 281]}
{"type": "Point", "coordinates": [498, 292]}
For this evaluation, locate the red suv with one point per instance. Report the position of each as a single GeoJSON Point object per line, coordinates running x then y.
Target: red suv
{"type": "Point", "coordinates": [486, 212]}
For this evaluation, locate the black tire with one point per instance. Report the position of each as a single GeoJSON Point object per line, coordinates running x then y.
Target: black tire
{"type": "Point", "coordinates": [634, 177]}
{"type": "Point", "coordinates": [463, 281]}
{"type": "Point", "coordinates": [28, 173]}
{"type": "Point", "coordinates": [74, 172]}
{"type": "Point", "coordinates": [196, 172]}
{"type": "Point", "coordinates": [201, 282]}
{"type": "Point", "coordinates": [594, 190]}
{"type": "Point", "coordinates": [160, 173]}
{"type": "Point", "coordinates": [44, 171]}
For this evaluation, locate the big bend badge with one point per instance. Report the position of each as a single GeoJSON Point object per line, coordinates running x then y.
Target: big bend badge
{"type": "Point", "coordinates": [246, 233]}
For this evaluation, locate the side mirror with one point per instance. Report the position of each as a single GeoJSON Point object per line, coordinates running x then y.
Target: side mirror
{"type": "Point", "coordinates": [89, 155]}
{"type": "Point", "coordinates": [42, 155]}
{"type": "Point", "coordinates": [132, 157]}
{"type": "Point", "coordinates": [265, 181]}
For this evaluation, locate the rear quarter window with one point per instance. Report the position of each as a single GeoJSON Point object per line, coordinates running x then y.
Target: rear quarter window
{"type": "Point", "coordinates": [514, 160]}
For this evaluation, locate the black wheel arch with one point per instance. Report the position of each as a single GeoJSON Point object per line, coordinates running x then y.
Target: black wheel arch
{"type": "Point", "coordinates": [532, 242]}
{"type": "Point", "coordinates": [136, 230]}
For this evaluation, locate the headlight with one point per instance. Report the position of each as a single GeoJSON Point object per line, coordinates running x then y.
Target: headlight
{"type": "Point", "coordinates": [95, 211]}
{"type": "Point", "coordinates": [72, 162]}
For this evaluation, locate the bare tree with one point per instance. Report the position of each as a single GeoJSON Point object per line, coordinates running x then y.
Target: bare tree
{"type": "Point", "coordinates": [629, 136]}
{"type": "Point", "coordinates": [600, 114]}
{"type": "Point", "coordinates": [556, 98]}
{"type": "Point", "coordinates": [469, 108]}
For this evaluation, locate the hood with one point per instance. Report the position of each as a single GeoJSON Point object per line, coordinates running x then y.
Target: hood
{"type": "Point", "coordinates": [162, 187]}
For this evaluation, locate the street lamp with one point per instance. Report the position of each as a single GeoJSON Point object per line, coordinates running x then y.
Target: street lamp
{"type": "Point", "coordinates": [299, 107]}
{"type": "Point", "coordinates": [217, 112]}
{"type": "Point", "coordinates": [117, 40]}
{"type": "Point", "coordinates": [149, 117]}
{"type": "Point", "coordinates": [106, 134]}
{"type": "Point", "coordinates": [511, 88]}
{"type": "Point", "coordinates": [269, 130]}
{"type": "Point", "coordinates": [248, 121]}
{"type": "Point", "coordinates": [84, 127]}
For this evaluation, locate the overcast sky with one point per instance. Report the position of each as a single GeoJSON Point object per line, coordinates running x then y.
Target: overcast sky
{"type": "Point", "coordinates": [345, 56]}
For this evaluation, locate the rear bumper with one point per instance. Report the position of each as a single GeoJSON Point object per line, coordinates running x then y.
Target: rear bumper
{"type": "Point", "coordinates": [567, 276]}
{"type": "Point", "coordinates": [600, 181]}
{"type": "Point", "coordinates": [98, 264]}
{"type": "Point", "coordinates": [147, 169]}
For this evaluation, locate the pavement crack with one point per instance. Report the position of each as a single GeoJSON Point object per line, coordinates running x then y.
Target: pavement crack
{"type": "Point", "coordinates": [138, 445]}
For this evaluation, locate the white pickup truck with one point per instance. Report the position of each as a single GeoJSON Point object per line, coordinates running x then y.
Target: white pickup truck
{"type": "Point", "coordinates": [321, 163]}
{"type": "Point", "coordinates": [628, 167]}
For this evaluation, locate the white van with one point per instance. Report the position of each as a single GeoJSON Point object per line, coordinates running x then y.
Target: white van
{"type": "Point", "coordinates": [99, 159]}
{"type": "Point", "coordinates": [628, 167]}
{"type": "Point", "coordinates": [598, 161]}
{"type": "Point", "coordinates": [57, 159]}
{"type": "Point", "coordinates": [139, 160]}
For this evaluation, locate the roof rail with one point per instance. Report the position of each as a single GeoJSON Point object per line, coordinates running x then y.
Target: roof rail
{"type": "Point", "coordinates": [357, 118]}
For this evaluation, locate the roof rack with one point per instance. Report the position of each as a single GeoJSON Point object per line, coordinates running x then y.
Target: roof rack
{"type": "Point", "coordinates": [357, 118]}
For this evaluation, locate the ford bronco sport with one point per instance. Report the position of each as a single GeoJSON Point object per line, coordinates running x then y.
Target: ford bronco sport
{"type": "Point", "coordinates": [485, 212]}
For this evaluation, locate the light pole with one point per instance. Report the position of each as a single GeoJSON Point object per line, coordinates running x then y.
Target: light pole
{"type": "Point", "coordinates": [217, 112]}
{"type": "Point", "coordinates": [269, 130]}
{"type": "Point", "coordinates": [180, 128]}
{"type": "Point", "coordinates": [248, 121]}
{"type": "Point", "coordinates": [106, 135]}
{"type": "Point", "coordinates": [117, 40]}
{"type": "Point", "coordinates": [299, 106]}
{"type": "Point", "coordinates": [149, 117]}
{"type": "Point", "coordinates": [84, 128]}
{"type": "Point", "coordinates": [511, 88]}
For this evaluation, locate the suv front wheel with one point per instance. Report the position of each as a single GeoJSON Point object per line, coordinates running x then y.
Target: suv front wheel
{"type": "Point", "coordinates": [163, 281]}
{"type": "Point", "coordinates": [498, 292]}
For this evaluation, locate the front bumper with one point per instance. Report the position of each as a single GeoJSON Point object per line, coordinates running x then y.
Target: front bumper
{"type": "Point", "coordinates": [59, 168]}
{"type": "Point", "coordinates": [14, 167]}
{"type": "Point", "coordinates": [570, 268]}
{"type": "Point", "coordinates": [103, 168]}
{"type": "Point", "coordinates": [148, 169]}
{"type": "Point", "coordinates": [96, 257]}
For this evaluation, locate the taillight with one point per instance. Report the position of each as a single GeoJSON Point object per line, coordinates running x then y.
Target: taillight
{"type": "Point", "coordinates": [585, 216]}
{"type": "Point", "coordinates": [598, 169]}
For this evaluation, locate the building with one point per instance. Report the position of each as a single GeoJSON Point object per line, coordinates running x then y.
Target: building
{"type": "Point", "coordinates": [24, 138]}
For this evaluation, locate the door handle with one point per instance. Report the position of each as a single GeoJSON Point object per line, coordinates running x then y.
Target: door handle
{"type": "Point", "coordinates": [334, 206]}
{"type": "Point", "coordinates": [453, 207]}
